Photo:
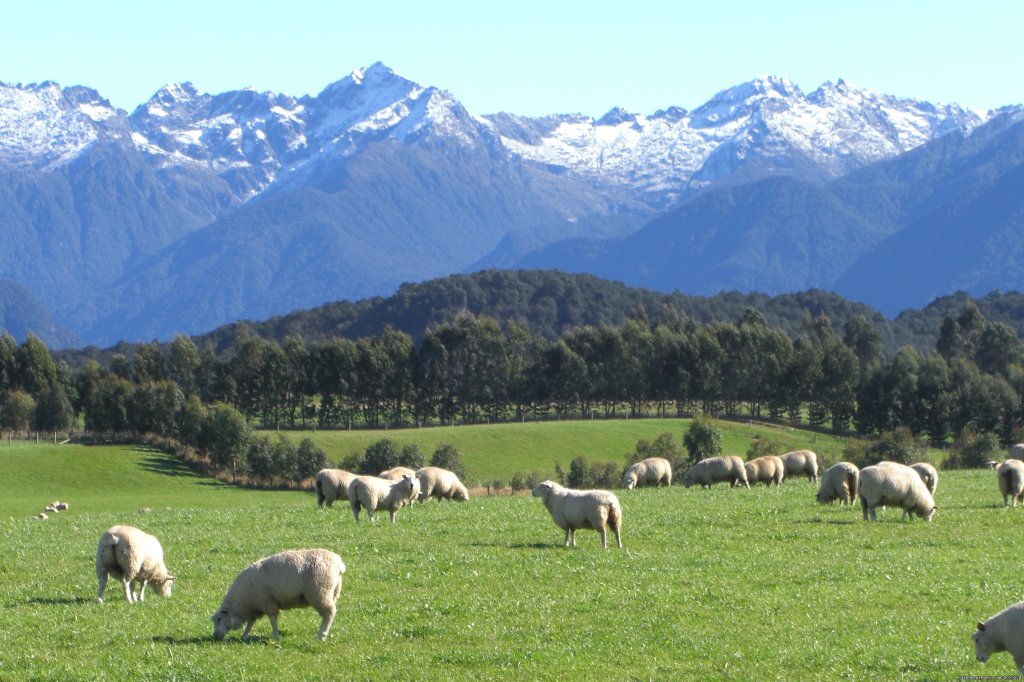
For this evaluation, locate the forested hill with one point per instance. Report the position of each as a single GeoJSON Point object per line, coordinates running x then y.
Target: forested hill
{"type": "Point", "coordinates": [552, 302]}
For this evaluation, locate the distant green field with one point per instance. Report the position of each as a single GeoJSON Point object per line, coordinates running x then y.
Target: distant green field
{"type": "Point", "coordinates": [712, 584]}
{"type": "Point", "coordinates": [500, 450]}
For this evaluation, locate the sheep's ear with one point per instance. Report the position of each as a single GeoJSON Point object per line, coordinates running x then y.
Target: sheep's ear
{"type": "Point", "coordinates": [981, 626]}
{"type": "Point", "coordinates": [171, 578]}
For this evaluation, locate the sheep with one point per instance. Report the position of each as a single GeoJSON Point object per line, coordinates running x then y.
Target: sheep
{"type": "Point", "coordinates": [41, 516]}
{"type": "Point", "coordinates": [131, 556]}
{"type": "Point", "coordinates": [397, 473]}
{"type": "Point", "coordinates": [440, 483]}
{"type": "Point", "coordinates": [928, 474]}
{"type": "Point", "coordinates": [575, 509]}
{"type": "Point", "coordinates": [376, 493]}
{"type": "Point", "coordinates": [331, 485]}
{"type": "Point", "coordinates": [1002, 632]}
{"type": "Point", "coordinates": [716, 469]}
{"type": "Point", "coordinates": [50, 508]}
{"type": "Point", "coordinates": [768, 469]}
{"type": "Point", "coordinates": [1017, 451]}
{"type": "Point", "coordinates": [62, 506]}
{"type": "Point", "coordinates": [1011, 481]}
{"type": "Point", "coordinates": [287, 580]}
{"type": "Point", "coordinates": [839, 482]}
{"type": "Point", "coordinates": [650, 471]}
{"type": "Point", "coordinates": [894, 485]}
{"type": "Point", "coordinates": [801, 463]}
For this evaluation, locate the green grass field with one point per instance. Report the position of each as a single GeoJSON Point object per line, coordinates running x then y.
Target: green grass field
{"type": "Point", "coordinates": [500, 450]}
{"type": "Point", "coordinates": [712, 584]}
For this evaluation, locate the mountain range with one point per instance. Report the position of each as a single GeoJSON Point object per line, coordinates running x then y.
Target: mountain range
{"type": "Point", "coordinates": [196, 210]}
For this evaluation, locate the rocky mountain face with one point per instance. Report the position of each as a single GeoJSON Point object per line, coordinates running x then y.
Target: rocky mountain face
{"type": "Point", "coordinates": [197, 209]}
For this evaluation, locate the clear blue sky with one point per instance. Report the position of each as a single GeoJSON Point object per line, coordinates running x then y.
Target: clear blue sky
{"type": "Point", "coordinates": [528, 57]}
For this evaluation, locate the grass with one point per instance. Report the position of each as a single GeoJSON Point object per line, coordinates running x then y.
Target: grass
{"type": "Point", "coordinates": [500, 450]}
{"type": "Point", "coordinates": [711, 584]}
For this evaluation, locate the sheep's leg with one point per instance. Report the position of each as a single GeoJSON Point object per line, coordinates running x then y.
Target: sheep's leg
{"type": "Point", "coordinates": [566, 537]}
{"type": "Point", "coordinates": [392, 513]}
{"type": "Point", "coordinates": [142, 591]}
{"type": "Point", "coordinates": [604, 537]}
{"type": "Point", "coordinates": [101, 575]}
{"type": "Point", "coordinates": [272, 617]}
{"type": "Point", "coordinates": [126, 584]}
{"type": "Point", "coordinates": [327, 614]}
{"type": "Point", "coordinates": [618, 536]}
{"type": "Point", "coordinates": [572, 536]}
{"type": "Point", "coordinates": [250, 623]}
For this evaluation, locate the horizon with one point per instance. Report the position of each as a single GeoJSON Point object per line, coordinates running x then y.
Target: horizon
{"type": "Point", "coordinates": [562, 59]}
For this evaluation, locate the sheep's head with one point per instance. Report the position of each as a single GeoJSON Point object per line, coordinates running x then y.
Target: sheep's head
{"type": "Point", "coordinates": [461, 494]}
{"type": "Point", "coordinates": [543, 489]}
{"type": "Point", "coordinates": [163, 587]}
{"type": "Point", "coordinates": [224, 622]}
{"type": "Point", "coordinates": [823, 497]}
{"type": "Point", "coordinates": [983, 646]}
{"type": "Point", "coordinates": [629, 480]}
{"type": "Point", "coordinates": [927, 516]}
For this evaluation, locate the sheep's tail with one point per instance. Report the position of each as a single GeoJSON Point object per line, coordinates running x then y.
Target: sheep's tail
{"type": "Point", "coordinates": [851, 483]}
{"type": "Point", "coordinates": [106, 555]}
{"type": "Point", "coordinates": [615, 516]}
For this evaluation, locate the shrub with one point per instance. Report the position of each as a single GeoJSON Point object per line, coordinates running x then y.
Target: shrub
{"type": "Point", "coordinates": [380, 456]}
{"type": "Point", "coordinates": [447, 457]}
{"type": "Point", "coordinates": [309, 459]}
{"type": "Point", "coordinates": [762, 446]}
{"type": "Point", "coordinates": [972, 450]}
{"type": "Point", "coordinates": [703, 439]}
{"type": "Point", "coordinates": [892, 446]}
{"type": "Point", "coordinates": [517, 482]}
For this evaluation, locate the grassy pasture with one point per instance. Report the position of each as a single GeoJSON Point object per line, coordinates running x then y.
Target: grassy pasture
{"type": "Point", "coordinates": [500, 450]}
{"type": "Point", "coordinates": [711, 584]}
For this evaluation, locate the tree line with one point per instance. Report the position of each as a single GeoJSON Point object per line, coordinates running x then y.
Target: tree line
{"type": "Point", "coordinates": [473, 369]}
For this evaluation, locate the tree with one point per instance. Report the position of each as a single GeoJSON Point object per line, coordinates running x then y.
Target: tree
{"type": "Point", "coordinates": [703, 439]}
{"type": "Point", "coordinates": [286, 459]}
{"type": "Point", "coordinates": [35, 368]}
{"type": "Point", "coordinates": [149, 363]}
{"type": "Point", "coordinates": [259, 458]}
{"type": "Point", "coordinates": [411, 456]}
{"type": "Point", "coordinates": [226, 436]}
{"type": "Point", "coordinates": [53, 410]}
{"type": "Point", "coordinates": [864, 339]}
{"type": "Point", "coordinates": [183, 363]}
{"type": "Point", "coordinates": [380, 456]}
{"type": "Point", "coordinates": [17, 411]}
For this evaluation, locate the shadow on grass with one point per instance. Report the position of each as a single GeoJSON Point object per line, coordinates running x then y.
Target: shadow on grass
{"type": "Point", "coordinates": [53, 601]}
{"type": "Point", "coordinates": [830, 522]}
{"type": "Point", "coordinates": [209, 640]}
{"type": "Point", "coordinates": [163, 639]}
{"type": "Point", "coordinates": [168, 465]}
{"type": "Point", "coordinates": [521, 545]}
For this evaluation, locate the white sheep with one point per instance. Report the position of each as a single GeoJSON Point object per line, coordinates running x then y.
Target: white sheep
{"type": "Point", "coordinates": [575, 509]}
{"type": "Point", "coordinates": [650, 471]}
{"type": "Point", "coordinates": [376, 493]}
{"type": "Point", "coordinates": [715, 470]}
{"type": "Point", "coordinates": [287, 580]}
{"type": "Point", "coordinates": [331, 485]}
{"type": "Point", "coordinates": [1002, 632]}
{"type": "Point", "coordinates": [1011, 481]}
{"type": "Point", "coordinates": [1017, 451]}
{"type": "Point", "coordinates": [41, 516]}
{"type": "Point", "coordinates": [440, 484]}
{"type": "Point", "coordinates": [131, 556]}
{"type": "Point", "coordinates": [839, 482]}
{"type": "Point", "coordinates": [768, 469]}
{"type": "Point", "coordinates": [928, 474]}
{"type": "Point", "coordinates": [801, 463]}
{"type": "Point", "coordinates": [397, 473]}
{"type": "Point", "coordinates": [895, 485]}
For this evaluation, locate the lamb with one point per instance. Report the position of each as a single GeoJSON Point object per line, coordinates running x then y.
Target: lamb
{"type": "Point", "coordinates": [839, 482]}
{"type": "Point", "coordinates": [650, 471]}
{"type": "Point", "coordinates": [1011, 481]}
{"type": "Point", "coordinates": [287, 580]}
{"type": "Point", "coordinates": [440, 483]}
{"type": "Point", "coordinates": [768, 469]}
{"type": "Point", "coordinates": [801, 463]}
{"type": "Point", "coordinates": [1002, 632]}
{"type": "Point", "coordinates": [331, 485]}
{"type": "Point", "coordinates": [397, 473]}
{"type": "Point", "coordinates": [131, 556]}
{"type": "Point", "coordinates": [928, 474]}
{"type": "Point", "coordinates": [716, 469]}
{"type": "Point", "coordinates": [894, 485]}
{"type": "Point", "coordinates": [575, 509]}
{"type": "Point", "coordinates": [375, 493]}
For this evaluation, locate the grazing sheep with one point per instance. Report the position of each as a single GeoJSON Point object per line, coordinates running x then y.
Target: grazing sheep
{"type": "Point", "coordinates": [928, 474]}
{"type": "Point", "coordinates": [41, 516]}
{"type": "Point", "coordinates": [62, 506]}
{"type": "Point", "coordinates": [397, 473]}
{"type": "Point", "coordinates": [575, 509]}
{"type": "Point", "coordinates": [839, 482]}
{"type": "Point", "coordinates": [331, 485]}
{"type": "Point", "coordinates": [897, 486]}
{"type": "Point", "coordinates": [992, 463]}
{"type": "Point", "coordinates": [1002, 632]}
{"type": "Point", "coordinates": [440, 483]}
{"type": "Point", "coordinates": [287, 580]}
{"type": "Point", "coordinates": [131, 556]}
{"type": "Point", "coordinates": [650, 471]}
{"type": "Point", "coordinates": [1011, 481]}
{"type": "Point", "coordinates": [50, 508]}
{"type": "Point", "coordinates": [801, 463]}
{"type": "Point", "coordinates": [376, 493]}
{"type": "Point", "coordinates": [715, 470]}
{"type": "Point", "coordinates": [768, 469]}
